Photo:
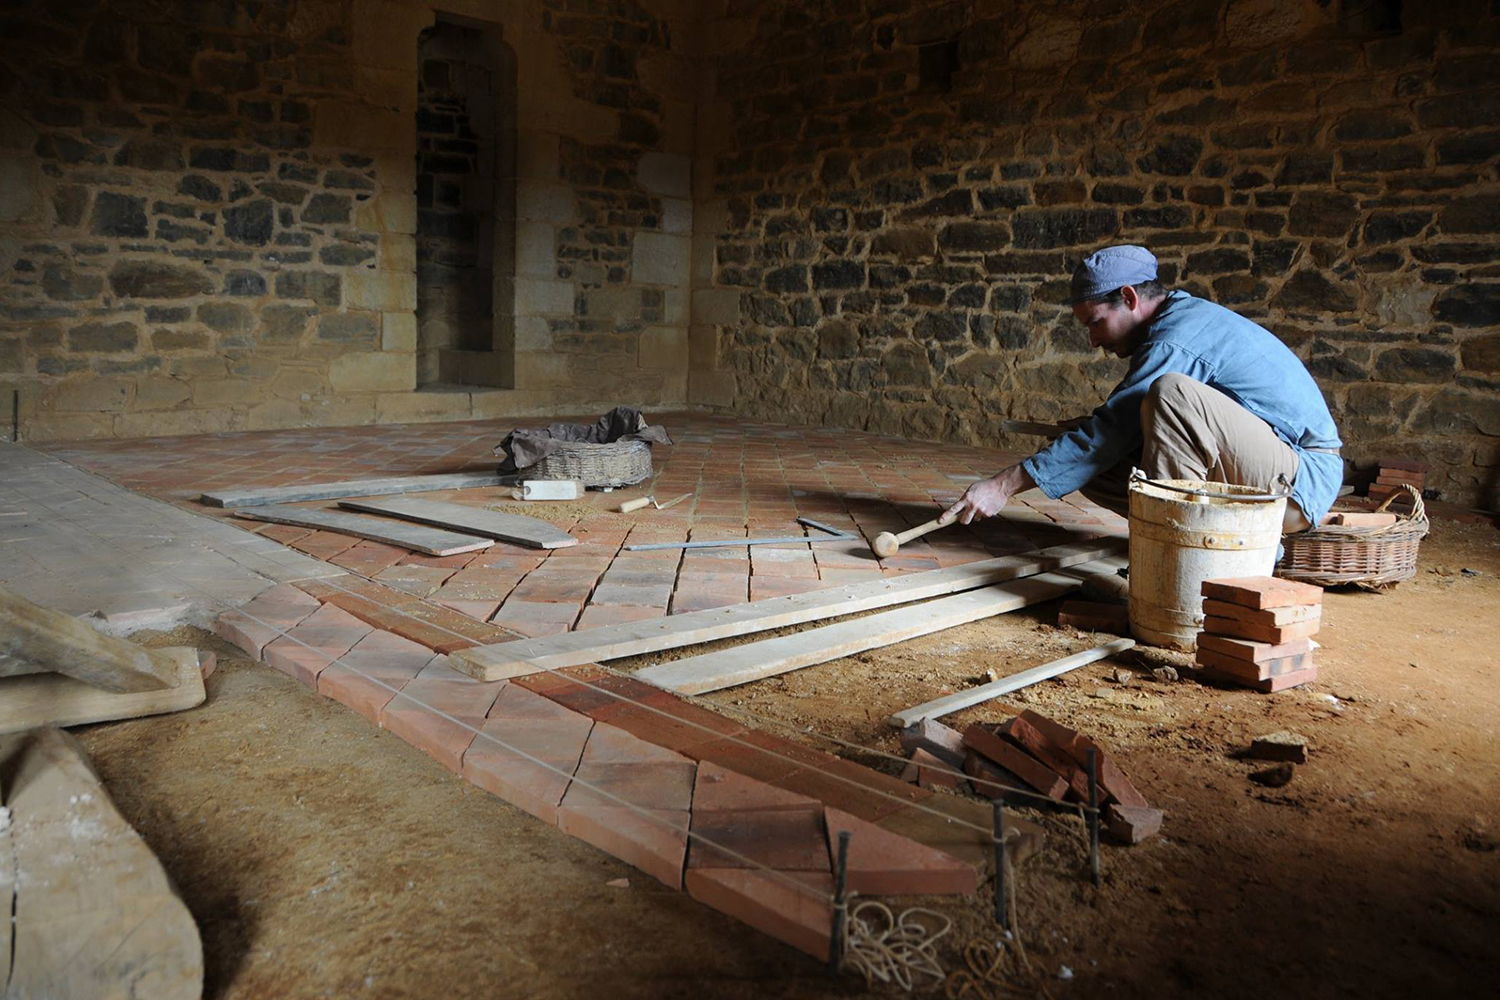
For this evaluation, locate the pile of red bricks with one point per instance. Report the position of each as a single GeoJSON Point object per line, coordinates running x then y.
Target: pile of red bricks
{"type": "Point", "coordinates": [1256, 632]}
{"type": "Point", "coordinates": [1395, 474]}
{"type": "Point", "coordinates": [1028, 754]}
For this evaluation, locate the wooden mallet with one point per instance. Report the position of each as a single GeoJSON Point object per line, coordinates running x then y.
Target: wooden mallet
{"type": "Point", "coordinates": [886, 543]}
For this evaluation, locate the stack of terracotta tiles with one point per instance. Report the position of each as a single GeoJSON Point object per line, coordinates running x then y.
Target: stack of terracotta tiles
{"type": "Point", "coordinates": [1395, 475]}
{"type": "Point", "coordinates": [1257, 632]}
{"type": "Point", "coordinates": [1033, 755]}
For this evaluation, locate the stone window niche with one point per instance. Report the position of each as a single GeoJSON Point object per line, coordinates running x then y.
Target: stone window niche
{"type": "Point", "coordinates": [466, 100]}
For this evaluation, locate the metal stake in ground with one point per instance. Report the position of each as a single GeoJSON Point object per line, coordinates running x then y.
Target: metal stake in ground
{"type": "Point", "coordinates": [1093, 818]}
{"type": "Point", "coordinates": [840, 876]}
{"type": "Point", "coordinates": [1000, 887]}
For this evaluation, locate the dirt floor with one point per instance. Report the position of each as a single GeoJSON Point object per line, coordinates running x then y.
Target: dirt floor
{"type": "Point", "coordinates": [325, 858]}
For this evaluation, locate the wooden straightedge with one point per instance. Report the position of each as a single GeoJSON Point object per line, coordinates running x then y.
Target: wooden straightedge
{"type": "Point", "coordinates": [526, 656]}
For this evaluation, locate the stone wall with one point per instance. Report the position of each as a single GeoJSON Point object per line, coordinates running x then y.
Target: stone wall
{"type": "Point", "coordinates": [893, 194]}
{"type": "Point", "coordinates": [207, 211]}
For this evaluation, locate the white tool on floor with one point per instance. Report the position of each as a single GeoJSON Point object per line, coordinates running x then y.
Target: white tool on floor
{"type": "Point", "coordinates": [549, 489]}
{"type": "Point", "coordinates": [639, 502]}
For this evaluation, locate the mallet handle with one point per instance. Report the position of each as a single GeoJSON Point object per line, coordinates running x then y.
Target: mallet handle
{"type": "Point", "coordinates": [921, 530]}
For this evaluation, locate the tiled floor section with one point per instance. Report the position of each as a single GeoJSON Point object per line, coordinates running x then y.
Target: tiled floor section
{"type": "Point", "coordinates": [742, 820]}
{"type": "Point", "coordinates": [629, 768]}
{"type": "Point", "coordinates": [73, 541]}
{"type": "Point", "coordinates": [746, 479]}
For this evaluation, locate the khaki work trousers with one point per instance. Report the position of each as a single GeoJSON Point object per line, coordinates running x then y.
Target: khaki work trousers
{"type": "Point", "coordinates": [1193, 431]}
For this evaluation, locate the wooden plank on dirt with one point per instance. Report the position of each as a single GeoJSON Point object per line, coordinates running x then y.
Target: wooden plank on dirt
{"type": "Point", "coordinates": [570, 649]}
{"type": "Point", "coordinates": [54, 640]}
{"type": "Point", "coordinates": [1005, 685]}
{"type": "Point", "coordinates": [55, 700]}
{"type": "Point", "coordinates": [769, 657]}
{"type": "Point", "coordinates": [517, 529]}
{"type": "Point", "coordinates": [350, 488]}
{"type": "Point", "coordinates": [95, 914]}
{"type": "Point", "coordinates": [432, 541]}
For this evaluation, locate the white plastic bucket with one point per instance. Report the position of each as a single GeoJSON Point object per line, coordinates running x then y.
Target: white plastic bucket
{"type": "Point", "coordinates": [1183, 532]}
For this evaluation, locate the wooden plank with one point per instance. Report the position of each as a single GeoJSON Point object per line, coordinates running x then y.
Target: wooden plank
{"type": "Point", "coordinates": [350, 488]}
{"type": "Point", "coordinates": [515, 528]}
{"type": "Point", "coordinates": [769, 657]}
{"type": "Point", "coordinates": [571, 649]}
{"type": "Point", "coordinates": [55, 700]}
{"type": "Point", "coordinates": [432, 541]}
{"type": "Point", "coordinates": [15, 666]}
{"type": "Point", "coordinates": [54, 640]}
{"type": "Point", "coordinates": [1005, 685]}
{"type": "Point", "coordinates": [95, 914]}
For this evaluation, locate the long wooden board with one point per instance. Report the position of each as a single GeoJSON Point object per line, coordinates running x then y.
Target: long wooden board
{"type": "Point", "coordinates": [1005, 685]}
{"type": "Point", "coordinates": [53, 640]}
{"type": "Point", "coordinates": [36, 700]}
{"type": "Point", "coordinates": [432, 541]}
{"type": "Point", "coordinates": [769, 657]}
{"type": "Point", "coordinates": [350, 488]}
{"type": "Point", "coordinates": [95, 914]}
{"type": "Point", "coordinates": [515, 528]}
{"type": "Point", "coordinates": [569, 649]}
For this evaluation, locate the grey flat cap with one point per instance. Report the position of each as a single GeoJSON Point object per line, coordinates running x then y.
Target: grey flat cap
{"type": "Point", "coordinates": [1103, 271]}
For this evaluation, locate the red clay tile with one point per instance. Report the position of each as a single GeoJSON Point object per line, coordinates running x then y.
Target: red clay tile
{"type": "Point", "coordinates": [1270, 616]}
{"type": "Point", "coordinates": [609, 745]}
{"type": "Point", "coordinates": [1268, 686]}
{"type": "Point", "coordinates": [1247, 672]}
{"type": "Point", "coordinates": [795, 908]}
{"type": "Point", "coordinates": [654, 842]}
{"type": "Point", "coordinates": [1276, 634]}
{"type": "Point", "coordinates": [604, 615]}
{"type": "Point", "coordinates": [884, 863]}
{"type": "Point", "coordinates": [530, 760]}
{"type": "Point", "coordinates": [720, 789]}
{"type": "Point", "coordinates": [309, 647]}
{"type": "Point", "coordinates": [980, 738]}
{"type": "Point", "coordinates": [359, 680]}
{"type": "Point", "coordinates": [784, 839]}
{"type": "Point", "coordinates": [535, 619]}
{"type": "Point", "coordinates": [414, 713]}
{"type": "Point", "coordinates": [477, 610]}
{"type": "Point", "coordinates": [1261, 592]}
{"type": "Point", "coordinates": [265, 619]}
{"type": "Point", "coordinates": [1250, 651]}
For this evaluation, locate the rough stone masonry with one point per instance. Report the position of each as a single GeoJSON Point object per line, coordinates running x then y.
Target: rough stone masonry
{"type": "Point", "coordinates": [904, 187]}
{"type": "Point", "coordinates": [852, 212]}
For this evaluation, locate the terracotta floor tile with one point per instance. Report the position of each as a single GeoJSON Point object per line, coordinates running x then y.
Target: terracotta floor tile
{"type": "Point", "coordinates": [546, 585]}
{"type": "Point", "coordinates": [360, 677]}
{"type": "Point", "coordinates": [531, 758]}
{"type": "Point", "coordinates": [784, 839]}
{"type": "Point", "coordinates": [368, 557]}
{"type": "Point", "coordinates": [719, 789]}
{"type": "Point", "coordinates": [763, 587]}
{"type": "Point", "coordinates": [801, 917]}
{"type": "Point", "coordinates": [655, 842]}
{"type": "Point", "coordinates": [477, 610]}
{"type": "Point", "coordinates": [887, 864]}
{"type": "Point", "coordinates": [413, 579]}
{"type": "Point", "coordinates": [601, 616]}
{"type": "Point", "coordinates": [535, 618]}
{"type": "Point", "coordinates": [309, 647]}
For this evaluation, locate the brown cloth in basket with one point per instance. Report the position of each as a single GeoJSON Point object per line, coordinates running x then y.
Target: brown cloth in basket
{"type": "Point", "coordinates": [524, 447]}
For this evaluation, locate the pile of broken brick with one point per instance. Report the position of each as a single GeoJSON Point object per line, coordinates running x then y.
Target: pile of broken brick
{"type": "Point", "coordinates": [1026, 760]}
{"type": "Point", "coordinates": [1257, 632]}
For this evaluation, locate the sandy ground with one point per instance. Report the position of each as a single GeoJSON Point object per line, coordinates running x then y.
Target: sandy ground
{"type": "Point", "coordinates": [325, 858]}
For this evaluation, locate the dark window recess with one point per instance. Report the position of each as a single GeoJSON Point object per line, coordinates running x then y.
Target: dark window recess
{"type": "Point", "coordinates": [1370, 17]}
{"type": "Point", "coordinates": [937, 64]}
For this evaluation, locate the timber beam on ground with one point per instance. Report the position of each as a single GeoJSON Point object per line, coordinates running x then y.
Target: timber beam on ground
{"type": "Point", "coordinates": [512, 659]}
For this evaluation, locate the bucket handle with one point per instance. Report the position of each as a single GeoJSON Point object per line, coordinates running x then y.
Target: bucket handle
{"type": "Point", "coordinates": [1137, 476]}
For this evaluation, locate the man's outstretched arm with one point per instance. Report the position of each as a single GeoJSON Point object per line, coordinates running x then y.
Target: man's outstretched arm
{"type": "Point", "coordinates": [986, 497]}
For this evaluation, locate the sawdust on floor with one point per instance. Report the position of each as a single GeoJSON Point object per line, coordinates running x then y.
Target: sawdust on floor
{"type": "Point", "coordinates": [323, 856]}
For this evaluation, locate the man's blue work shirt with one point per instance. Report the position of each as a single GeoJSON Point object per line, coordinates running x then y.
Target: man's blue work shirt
{"type": "Point", "coordinates": [1217, 347]}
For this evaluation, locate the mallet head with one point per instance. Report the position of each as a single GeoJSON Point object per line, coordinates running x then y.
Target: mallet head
{"type": "Point", "coordinates": [885, 545]}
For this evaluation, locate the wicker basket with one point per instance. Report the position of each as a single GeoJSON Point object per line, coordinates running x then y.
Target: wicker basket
{"type": "Point", "coordinates": [1373, 558]}
{"type": "Point", "coordinates": [621, 463]}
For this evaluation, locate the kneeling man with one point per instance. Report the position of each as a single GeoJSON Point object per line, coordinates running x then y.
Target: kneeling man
{"type": "Point", "coordinates": [1209, 396]}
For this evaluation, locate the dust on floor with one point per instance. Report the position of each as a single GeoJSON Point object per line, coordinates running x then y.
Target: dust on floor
{"type": "Point", "coordinates": [323, 857]}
